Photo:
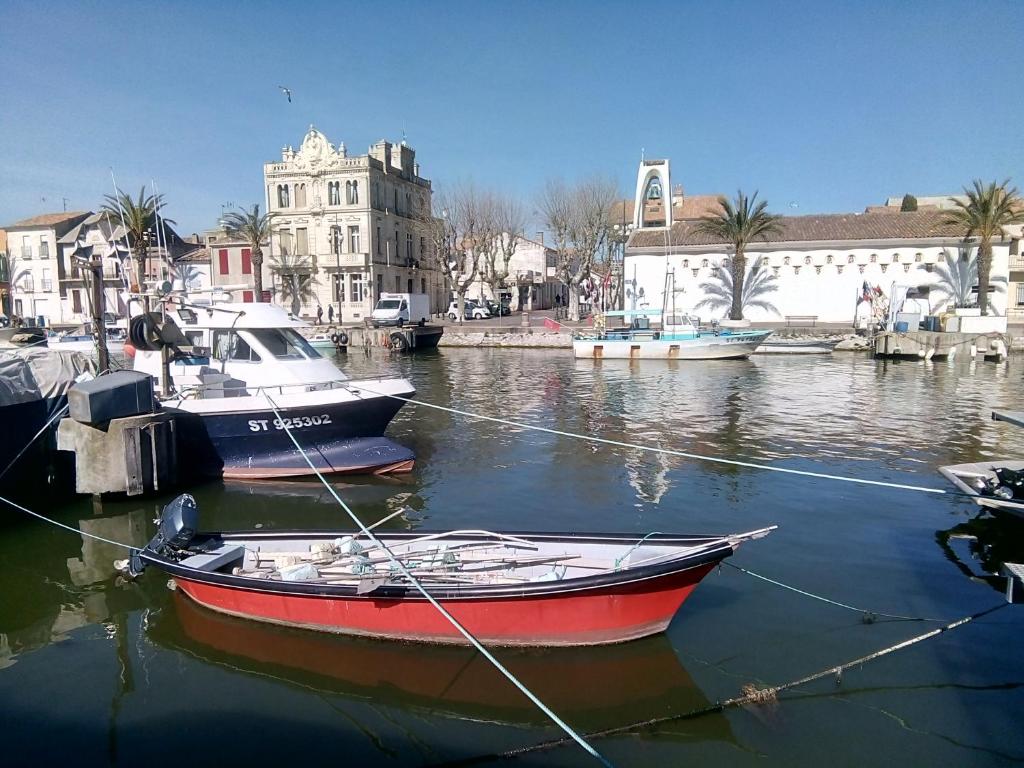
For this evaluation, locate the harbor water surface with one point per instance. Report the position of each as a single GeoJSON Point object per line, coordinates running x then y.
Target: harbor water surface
{"type": "Point", "coordinates": [98, 672]}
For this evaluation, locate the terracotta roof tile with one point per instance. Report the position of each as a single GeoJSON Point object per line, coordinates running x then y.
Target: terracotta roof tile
{"type": "Point", "coordinates": [48, 219]}
{"type": "Point", "coordinates": [839, 227]}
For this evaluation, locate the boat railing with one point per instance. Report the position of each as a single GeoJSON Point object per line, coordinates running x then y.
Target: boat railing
{"type": "Point", "coordinates": [202, 391]}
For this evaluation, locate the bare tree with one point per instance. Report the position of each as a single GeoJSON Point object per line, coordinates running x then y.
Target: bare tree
{"type": "Point", "coordinates": [458, 237]}
{"type": "Point", "coordinates": [578, 218]}
{"type": "Point", "coordinates": [507, 221]}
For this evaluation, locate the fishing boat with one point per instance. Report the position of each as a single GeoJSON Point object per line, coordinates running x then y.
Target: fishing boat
{"type": "Point", "coordinates": [328, 340]}
{"type": "Point", "coordinates": [655, 334]}
{"type": "Point", "coordinates": [249, 382]}
{"type": "Point", "coordinates": [34, 385]}
{"type": "Point", "coordinates": [781, 346]}
{"type": "Point", "coordinates": [81, 340]}
{"type": "Point", "coordinates": [995, 484]}
{"type": "Point", "coordinates": [515, 589]}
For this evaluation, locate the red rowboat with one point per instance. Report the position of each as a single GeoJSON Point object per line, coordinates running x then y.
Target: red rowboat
{"type": "Point", "coordinates": [517, 588]}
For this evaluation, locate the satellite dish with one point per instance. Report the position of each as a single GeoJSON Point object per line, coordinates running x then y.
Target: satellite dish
{"type": "Point", "coordinates": [164, 288]}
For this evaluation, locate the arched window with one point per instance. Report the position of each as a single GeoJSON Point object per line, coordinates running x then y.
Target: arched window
{"type": "Point", "coordinates": [686, 263]}
{"type": "Point", "coordinates": [828, 259]}
{"type": "Point", "coordinates": [786, 261]}
{"type": "Point", "coordinates": [807, 259]}
{"type": "Point", "coordinates": [917, 257]}
{"type": "Point", "coordinates": [334, 193]}
{"type": "Point", "coordinates": [849, 259]}
{"type": "Point", "coordinates": [355, 193]}
{"type": "Point", "coordinates": [283, 199]}
{"type": "Point", "coordinates": [300, 195]}
{"type": "Point", "coordinates": [874, 257]}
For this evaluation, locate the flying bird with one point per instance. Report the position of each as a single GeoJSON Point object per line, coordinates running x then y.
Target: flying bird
{"type": "Point", "coordinates": [287, 92]}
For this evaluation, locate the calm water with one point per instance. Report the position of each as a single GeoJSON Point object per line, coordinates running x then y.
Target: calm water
{"type": "Point", "coordinates": [94, 672]}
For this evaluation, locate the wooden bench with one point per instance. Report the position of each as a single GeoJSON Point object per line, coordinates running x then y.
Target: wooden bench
{"type": "Point", "coordinates": [801, 320]}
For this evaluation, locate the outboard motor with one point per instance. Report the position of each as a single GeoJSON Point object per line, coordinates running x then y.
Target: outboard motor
{"type": "Point", "coordinates": [176, 527]}
{"type": "Point", "coordinates": [1011, 484]}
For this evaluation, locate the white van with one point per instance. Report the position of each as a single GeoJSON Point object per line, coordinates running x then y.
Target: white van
{"type": "Point", "coordinates": [401, 309]}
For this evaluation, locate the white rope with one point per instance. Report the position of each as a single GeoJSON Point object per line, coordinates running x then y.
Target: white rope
{"type": "Point", "coordinates": [420, 588]}
{"type": "Point", "coordinates": [665, 451]}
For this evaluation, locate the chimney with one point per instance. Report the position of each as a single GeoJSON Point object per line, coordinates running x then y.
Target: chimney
{"type": "Point", "coordinates": [540, 238]}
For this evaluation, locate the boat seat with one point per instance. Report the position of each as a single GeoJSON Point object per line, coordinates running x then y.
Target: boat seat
{"type": "Point", "coordinates": [224, 555]}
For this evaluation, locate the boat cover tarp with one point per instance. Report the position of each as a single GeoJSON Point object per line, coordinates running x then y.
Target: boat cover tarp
{"type": "Point", "coordinates": [27, 375]}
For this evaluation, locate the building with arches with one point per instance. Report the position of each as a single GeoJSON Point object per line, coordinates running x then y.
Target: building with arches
{"type": "Point", "coordinates": [346, 228]}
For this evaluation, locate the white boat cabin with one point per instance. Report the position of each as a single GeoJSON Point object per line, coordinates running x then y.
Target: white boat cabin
{"type": "Point", "coordinates": [249, 345]}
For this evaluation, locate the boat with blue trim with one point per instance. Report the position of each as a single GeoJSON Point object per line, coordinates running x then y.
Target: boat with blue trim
{"type": "Point", "coordinates": [259, 384]}
{"type": "Point", "coordinates": [656, 334]}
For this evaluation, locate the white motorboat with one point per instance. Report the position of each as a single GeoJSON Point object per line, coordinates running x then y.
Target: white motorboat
{"type": "Point", "coordinates": [252, 378]}
{"type": "Point", "coordinates": [988, 484]}
{"type": "Point", "coordinates": [669, 337]}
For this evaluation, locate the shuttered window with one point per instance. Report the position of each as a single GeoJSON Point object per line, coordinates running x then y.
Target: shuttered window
{"type": "Point", "coordinates": [246, 261]}
{"type": "Point", "coordinates": [222, 255]}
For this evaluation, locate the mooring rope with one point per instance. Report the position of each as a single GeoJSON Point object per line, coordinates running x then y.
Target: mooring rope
{"type": "Point", "coordinates": [751, 695]}
{"type": "Point", "coordinates": [867, 614]}
{"type": "Point", "coordinates": [62, 525]}
{"type": "Point", "coordinates": [400, 566]}
{"type": "Point", "coordinates": [666, 451]}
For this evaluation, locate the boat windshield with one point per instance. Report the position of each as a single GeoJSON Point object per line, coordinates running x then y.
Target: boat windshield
{"type": "Point", "coordinates": [284, 343]}
{"type": "Point", "coordinates": [388, 304]}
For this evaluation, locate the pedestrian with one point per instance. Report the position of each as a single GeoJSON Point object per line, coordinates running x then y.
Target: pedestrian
{"type": "Point", "coordinates": [330, 313]}
{"type": "Point", "coordinates": [319, 314]}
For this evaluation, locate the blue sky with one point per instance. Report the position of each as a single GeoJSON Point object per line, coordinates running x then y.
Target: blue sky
{"type": "Point", "coordinates": [821, 106]}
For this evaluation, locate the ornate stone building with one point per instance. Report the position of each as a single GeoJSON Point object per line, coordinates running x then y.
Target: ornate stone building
{"type": "Point", "coordinates": [347, 228]}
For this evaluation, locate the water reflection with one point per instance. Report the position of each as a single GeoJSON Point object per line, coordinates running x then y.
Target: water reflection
{"type": "Point", "coordinates": [71, 583]}
{"type": "Point", "coordinates": [593, 688]}
{"type": "Point", "coordinates": [978, 547]}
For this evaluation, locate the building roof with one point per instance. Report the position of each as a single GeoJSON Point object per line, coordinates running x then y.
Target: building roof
{"type": "Point", "coordinates": [199, 255]}
{"type": "Point", "coordinates": [48, 219]}
{"type": "Point", "coordinates": [837, 227]}
{"type": "Point", "coordinates": [683, 207]}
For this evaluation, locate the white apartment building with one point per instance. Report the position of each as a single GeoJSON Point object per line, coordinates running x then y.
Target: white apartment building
{"type": "Point", "coordinates": [347, 228]}
{"type": "Point", "coordinates": [531, 282]}
{"type": "Point", "coordinates": [35, 265]}
{"type": "Point", "coordinates": [820, 262]}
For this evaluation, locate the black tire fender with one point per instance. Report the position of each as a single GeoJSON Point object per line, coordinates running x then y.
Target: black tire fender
{"type": "Point", "coordinates": [399, 342]}
{"type": "Point", "coordinates": [340, 338]}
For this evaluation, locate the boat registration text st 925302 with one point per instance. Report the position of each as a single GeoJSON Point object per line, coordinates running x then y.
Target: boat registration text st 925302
{"type": "Point", "coordinates": [298, 422]}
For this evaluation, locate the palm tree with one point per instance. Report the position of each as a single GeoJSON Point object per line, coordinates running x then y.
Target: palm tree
{"type": "Point", "coordinates": [297, 281]}
{"type": "Point", "coordinates": [987, 209]}
{"type": "Point", "coordinates": [254, 229]}
{"type": "Point", "coordinates": [756, 283]}
{"type": "Point", "coordinates": [139, 218]}
{"type": "Point", "coordinates": [739, 223]}
{"type": "Point", "coordinates": [958, 277]}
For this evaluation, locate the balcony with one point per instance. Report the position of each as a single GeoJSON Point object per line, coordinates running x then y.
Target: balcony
{"type": "Point", "coordinates": [26, 252]}
{"type": "Point", "coordinates": [47, 285]}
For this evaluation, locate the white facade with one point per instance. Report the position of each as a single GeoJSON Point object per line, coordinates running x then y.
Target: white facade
{"type": "Point", "coordinates": [531, 282]}
{"type": "Point", "coordinates": [822, 281]}
{"type": "Point", "coordinates": [820, 263]}
{"type": "Point", "coordinates": [348, 227]}
{"type": "Point", "coordinates": [35, 266]}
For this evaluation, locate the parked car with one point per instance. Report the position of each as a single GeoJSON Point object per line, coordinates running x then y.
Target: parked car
{"type": "Point", "coordinates": [497, 309]}
{"type": "Point", "coordinates": [473, 311]}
